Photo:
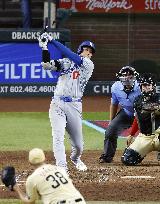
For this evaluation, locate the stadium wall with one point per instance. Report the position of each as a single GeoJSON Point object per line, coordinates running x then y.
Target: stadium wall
{"type": "Point", "coordinates": [120, 39]}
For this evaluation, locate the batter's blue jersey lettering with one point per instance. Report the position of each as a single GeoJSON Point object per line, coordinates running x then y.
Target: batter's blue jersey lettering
{"type": "Point", "coordinates": [119, 97]}
{"type": "Point", "coordinates": [73, 78]}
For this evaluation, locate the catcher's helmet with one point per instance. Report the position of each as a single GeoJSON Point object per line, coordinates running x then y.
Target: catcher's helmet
{"type": "Point", "coordinates": [86, 44]}
{"type": "Point", "coordinates": [148, 79]}
{"type": "Point", "coordinates": [122, 75]}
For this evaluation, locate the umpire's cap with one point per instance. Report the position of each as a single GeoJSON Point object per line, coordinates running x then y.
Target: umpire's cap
{"type": "Point", "coordinates": [36, 156]}
{"type": "Point", "coordinates": [126, 69]}
{"type": "Point", "coordinates": [86, 44]}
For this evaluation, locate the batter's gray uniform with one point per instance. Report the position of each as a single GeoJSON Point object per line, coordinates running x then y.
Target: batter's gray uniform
{"type": "Point", "coordinates": [66, 108]}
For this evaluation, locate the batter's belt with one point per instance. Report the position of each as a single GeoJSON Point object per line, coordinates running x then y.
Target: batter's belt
{"type": "Point", "coordinates": [67, 99]}
{"type": "Point", "coordinates": [144, 144]}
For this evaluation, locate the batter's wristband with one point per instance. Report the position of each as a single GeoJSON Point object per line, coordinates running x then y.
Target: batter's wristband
{"type": "Point", "coordinates": [45, 56]}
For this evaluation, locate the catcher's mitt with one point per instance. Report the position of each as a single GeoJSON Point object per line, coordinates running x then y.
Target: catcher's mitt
{"type": "Point", "coordinates": [8, 177]}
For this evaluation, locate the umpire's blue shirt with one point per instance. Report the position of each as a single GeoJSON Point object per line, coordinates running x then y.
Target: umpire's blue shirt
{"type": "Point", "coordinates": [124, 100]}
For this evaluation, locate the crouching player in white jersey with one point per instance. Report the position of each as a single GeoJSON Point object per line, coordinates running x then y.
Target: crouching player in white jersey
{"type": "Point", "coordinates": [48, 182]}
{"type": "Point", "coordinates": [66, 106]}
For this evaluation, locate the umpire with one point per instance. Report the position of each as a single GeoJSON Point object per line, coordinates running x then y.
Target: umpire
{"type": "Point", "coordinates": [123, 93]}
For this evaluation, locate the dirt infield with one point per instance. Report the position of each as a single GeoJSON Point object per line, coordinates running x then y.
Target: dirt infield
{"type": "Point", "coordinates": [101, 181]}
{"type": "Point", "coordinates": [41, 104]}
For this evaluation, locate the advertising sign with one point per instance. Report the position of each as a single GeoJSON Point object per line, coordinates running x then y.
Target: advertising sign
{"type": "Point", "coordinates": [93, 88]}
{"type": "Point", "coordinates": [21, 73]}
{"type": "Point", "coordinates": [21, 63]}
{"type": "Point", "coordinates": [20, 35]}
{"type": "Point", "coordinates": [112, 6]}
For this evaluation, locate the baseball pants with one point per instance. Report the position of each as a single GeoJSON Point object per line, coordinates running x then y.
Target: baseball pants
{"type": "Point", "coordinates": [145, 144]}
{"type": "Point", "coordinates": [117, 125]}
{"type": "Point", "coordinates": [66, 116]}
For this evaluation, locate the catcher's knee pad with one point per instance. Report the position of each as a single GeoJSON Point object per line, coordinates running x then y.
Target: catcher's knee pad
{"type": "Point", "coordinates": [130, 157]}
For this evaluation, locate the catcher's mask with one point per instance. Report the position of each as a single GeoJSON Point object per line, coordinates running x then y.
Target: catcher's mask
{"type": "Point", "coordinates": [147, 84]}
{"type": "Point", "coordinates": [86, 44]}
{"type": "Point", "coordinates": [36, 156]}
{"type": "Point", "coordinates": [127, 75]}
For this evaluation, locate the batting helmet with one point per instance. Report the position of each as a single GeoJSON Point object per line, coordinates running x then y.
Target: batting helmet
{"type": "Point", "coordinates": [86, 44]}
{"type": "Point", "coordinates": [122, 75]}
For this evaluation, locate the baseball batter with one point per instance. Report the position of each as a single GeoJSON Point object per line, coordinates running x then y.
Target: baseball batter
{"type": "Point", "coordinates": [66, 106]}
{"type": "Point", "coordinates": [49, 183]}
{"type": "Point", "coordinates": [147, 109]}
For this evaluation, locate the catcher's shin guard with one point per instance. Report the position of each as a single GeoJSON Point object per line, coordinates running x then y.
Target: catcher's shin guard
{"type": "Point", "coordinates": [130, 157]}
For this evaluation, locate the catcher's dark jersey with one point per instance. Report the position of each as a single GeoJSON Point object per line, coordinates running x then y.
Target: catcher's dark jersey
{"type": "Point", "coordinates": [148, 119]}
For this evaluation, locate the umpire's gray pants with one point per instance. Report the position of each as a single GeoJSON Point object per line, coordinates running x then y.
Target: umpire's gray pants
{"type": "Point", "coordinates": [117, 125]}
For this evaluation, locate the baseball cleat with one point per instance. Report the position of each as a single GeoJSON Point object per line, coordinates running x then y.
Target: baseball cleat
{"type": "Point", "coordinates": [104, 159]}
{"type": "Point", "coordinates": [80, 166]}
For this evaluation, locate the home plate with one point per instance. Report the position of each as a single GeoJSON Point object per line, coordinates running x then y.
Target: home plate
{"type": "Point", "coordinates": [137, 177]}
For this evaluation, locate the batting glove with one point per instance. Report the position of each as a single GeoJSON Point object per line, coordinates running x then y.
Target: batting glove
{"type": "Point", "coordinates": [43, 43]}
{"type": "Point", "coordinates": [46, 65]}
{"type": "Point", "coordinates": [46, 36]}
{"type": "Point", "coordinates": [50, 38]}
{"type": "Point", "coordinates": [49, 65]}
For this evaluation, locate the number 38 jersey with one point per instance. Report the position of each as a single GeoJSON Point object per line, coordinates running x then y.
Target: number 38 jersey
{"type": "Point", "coordinates": [52, 184]}
{"type": "Point", "coordinates": [73, 78]}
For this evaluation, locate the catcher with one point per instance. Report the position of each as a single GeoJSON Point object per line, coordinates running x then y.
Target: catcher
{"type": "Point", "coordinates": [49, 183]}
{"type": "Point", "coordinates": [147, 113]}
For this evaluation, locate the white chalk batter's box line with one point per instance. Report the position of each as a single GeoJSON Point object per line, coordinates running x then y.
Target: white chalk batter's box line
{"type": "Point", "coordinates": [138, 177]}
{"type": "Point", "coordinates": [96, 127]}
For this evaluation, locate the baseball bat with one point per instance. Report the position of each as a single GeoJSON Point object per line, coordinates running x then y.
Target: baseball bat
{"type": "Point", "coordinates": [45, 28]}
